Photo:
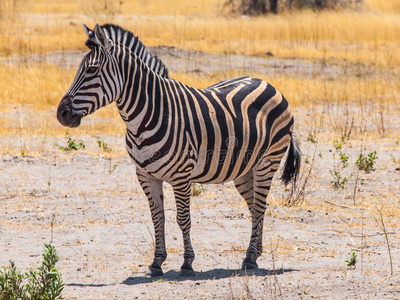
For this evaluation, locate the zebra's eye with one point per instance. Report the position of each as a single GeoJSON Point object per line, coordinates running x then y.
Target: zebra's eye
{"type": "Point", "coordinates": [91, 70]}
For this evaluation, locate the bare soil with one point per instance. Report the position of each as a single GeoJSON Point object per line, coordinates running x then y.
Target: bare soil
{"type": "Point", "coordinates": [103, 233]}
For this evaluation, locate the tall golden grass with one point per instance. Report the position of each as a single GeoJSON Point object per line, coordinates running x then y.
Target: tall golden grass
{"type": "Point", "coordinates": [41, 86]}
{"type": "Point", "coordinates": [367, 39]}
{"type": "Point", "coordinates": [358, 36]}
{"type": "Point", "coordinates": [37, 90]}
{"type": "Point", "coordinates": [36, 85]}
{"type": "Point", "coordinates": [149, 7]}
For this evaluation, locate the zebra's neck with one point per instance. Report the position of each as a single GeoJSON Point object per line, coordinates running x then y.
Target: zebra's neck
{"type": "Point", "coordinates": [142, 105]}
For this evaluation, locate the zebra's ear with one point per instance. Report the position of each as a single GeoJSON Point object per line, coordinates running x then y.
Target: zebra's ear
{"type": "Point", "coordinates": [88, 31]}
{"type": "Point", "coordinates": [101, 37]}
{"type": "Point", "coordinates": [91, 41]}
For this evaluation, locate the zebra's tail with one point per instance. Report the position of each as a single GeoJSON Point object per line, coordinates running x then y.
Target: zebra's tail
{"type": "Point", "coordinates": [293, 161]}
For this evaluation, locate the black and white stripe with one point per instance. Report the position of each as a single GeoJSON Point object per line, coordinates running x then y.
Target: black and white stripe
{"type": "Point", "coordinates": [238, 129]}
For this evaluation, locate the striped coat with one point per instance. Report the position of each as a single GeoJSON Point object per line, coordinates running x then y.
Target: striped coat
{"type": "Point", "coordinates": [238, 129]}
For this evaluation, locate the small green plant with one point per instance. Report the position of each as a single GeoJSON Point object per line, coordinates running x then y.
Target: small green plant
{"type": "Point", "coordinates": [345, 138]}
{"type": "Point", "coordinates": [104, 146]}
{"type": "Point", "coordinates": [338, 181]}
{"type": "Point", "coordinates": [45, 283]}
{"type": "Point", "coordinates": [366, 163]}
{"type": "Point", "coordinates": [72, 144]}
{"type": "Point", "coordinates": [112, 168]}
{"type": "Point", "coordinates": [351, 262]}
{"type": "Point", "coordinates": [197, 189]}
{"type": "Point", "coordinates": [344, 159]}
{"type": "Point", "coordinates": [312, 138]}
{"type": "Point", "coordinates": [396, 161]}
{"type": "Point", "coordinates": [338, 145]}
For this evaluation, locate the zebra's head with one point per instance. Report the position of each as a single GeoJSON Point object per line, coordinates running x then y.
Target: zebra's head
{"type": "Point", "coordinates": [98, 81]}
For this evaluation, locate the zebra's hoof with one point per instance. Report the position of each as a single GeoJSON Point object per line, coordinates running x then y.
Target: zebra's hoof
{"type": "Point", "coordinates": [249, 265]}
{"type": "Point", "coordinates": [154, 272]}
{"type": "Point", "coordinates": [187, 270]}
{"type": "Point", "coordinates": [187, 273]}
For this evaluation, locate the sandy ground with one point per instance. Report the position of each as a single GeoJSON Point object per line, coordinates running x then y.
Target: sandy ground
{"type": "Point", "coordinates": [103, 232]}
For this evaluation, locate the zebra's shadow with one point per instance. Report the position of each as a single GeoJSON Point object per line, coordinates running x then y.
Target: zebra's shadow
{"type": "Point", "coordinates": [207, 275]}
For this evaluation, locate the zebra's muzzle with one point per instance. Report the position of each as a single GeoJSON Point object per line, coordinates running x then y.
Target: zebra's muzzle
{"type": "Point", "coordinates": [65, 114]}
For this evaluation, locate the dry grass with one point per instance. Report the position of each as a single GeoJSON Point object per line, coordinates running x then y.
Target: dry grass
{"type": "Point", "coordinates": [38, 85]}
{"type": "Point", "coordinates": [392, 6]}
{"type": "Point", "coordinates": [362, 44]}
{"type": "Point", "coordinates": [300, 90]}
{"type": "Point", "coordinates": [152, 7]}
{"type": "Point", "coordinates": [136, 7]}
{"type": "Point", "coordinates": [39, 88]}
{"type": "Point", "coordinates": [357, 36]}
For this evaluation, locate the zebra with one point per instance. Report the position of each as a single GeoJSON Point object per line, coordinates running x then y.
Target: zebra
{"type": "Point", "coordinates": [238, 129]}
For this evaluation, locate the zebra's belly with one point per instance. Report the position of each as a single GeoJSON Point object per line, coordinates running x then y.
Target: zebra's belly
{"type": "Point", "coordinates": [216, 167]}
{"type": "Point", "coordinates": [211, 167]}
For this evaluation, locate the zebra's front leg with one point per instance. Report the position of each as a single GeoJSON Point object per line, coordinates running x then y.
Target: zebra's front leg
{"type": "Point", "coordinates": [262, 175]}
{"type": "Point", "coordinates": [182, 197]}
{"type": "Point", "coordinates": [153, 189]}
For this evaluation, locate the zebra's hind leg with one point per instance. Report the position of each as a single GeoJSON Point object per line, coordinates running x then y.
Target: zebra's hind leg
{"type": "Point", "coordinates": [245, 186]}
{"type": "Point", "coordinates": [153, 189]}
{"type": "Point", "coordinates": [262, 179]}
{"type": "Point", "coordinates": [182, 197]}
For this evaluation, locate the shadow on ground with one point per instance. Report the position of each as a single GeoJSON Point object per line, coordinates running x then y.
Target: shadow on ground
{"type": "Point", "coordinates": [208, 275]}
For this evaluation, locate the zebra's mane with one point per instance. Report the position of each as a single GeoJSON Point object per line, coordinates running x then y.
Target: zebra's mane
{"type": "Point", "coordinates": [126, 38]}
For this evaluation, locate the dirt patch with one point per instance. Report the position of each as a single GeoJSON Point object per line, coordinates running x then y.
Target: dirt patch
{"type": "Point", "coordinates": [103, 229]}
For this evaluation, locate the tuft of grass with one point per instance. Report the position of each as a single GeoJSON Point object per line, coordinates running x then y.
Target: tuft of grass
{"type": "Point", "coordinates": [312, 138]}
{"type": "Point", "coordinates": [103, 145]}
{"type": "Point", "coordinates": [366, 163]}
{"type": "Point", "coordinates": [352, 260]}
{"type": "Point", "coordinates": [344, 159]}
{"type": "Point", "coordinates": [72, 145]}
{"type": "Point", "coordinates": [338, 181]}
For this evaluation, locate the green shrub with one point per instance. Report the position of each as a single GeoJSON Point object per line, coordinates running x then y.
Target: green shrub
{"type": "Point", "coordinates": [366, 163]}
{"type": "Point", "coordinates": [45, 283]}
{"type": "Point", "coordinates": [72, 144]}
{"type": "Point", "coordinates": [338, 181]}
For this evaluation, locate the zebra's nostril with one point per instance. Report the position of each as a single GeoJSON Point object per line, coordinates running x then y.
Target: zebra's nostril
{"type": "Point", "coordinates": [65, 112]}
